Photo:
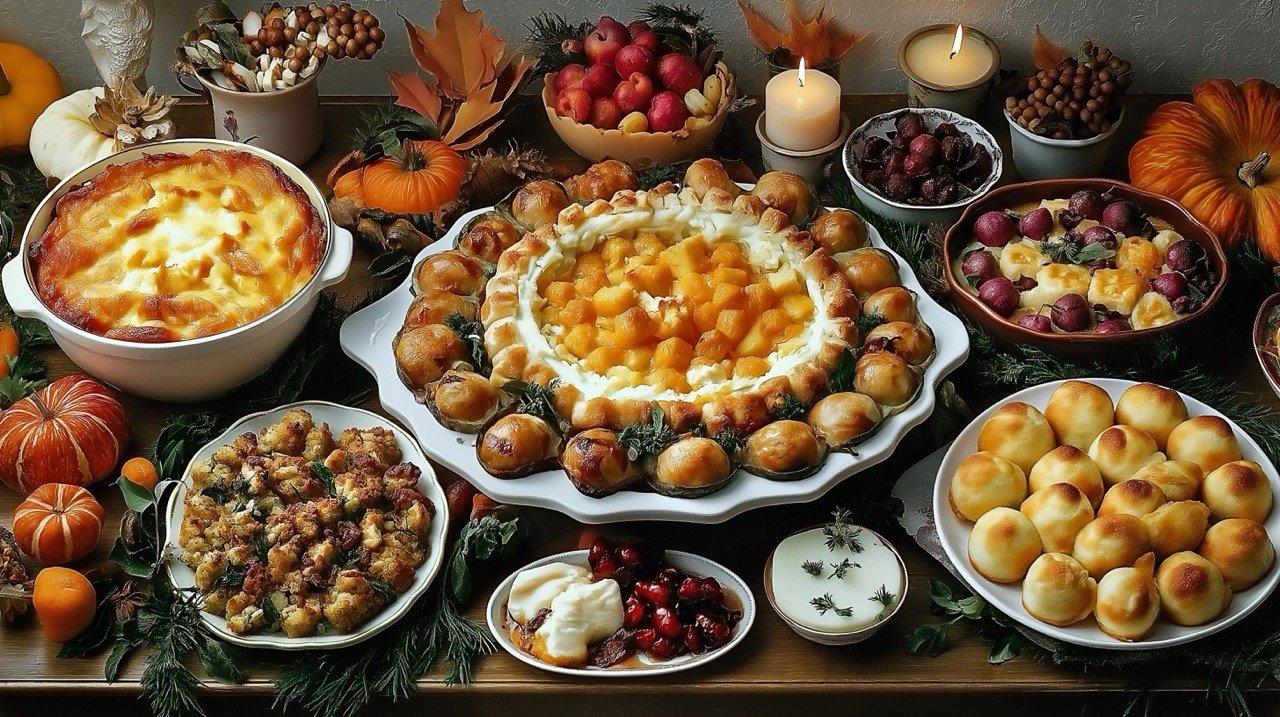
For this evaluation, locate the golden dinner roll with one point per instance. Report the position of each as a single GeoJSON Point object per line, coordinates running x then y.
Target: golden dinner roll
{"type": "Point", "coordinates": [1207, 441]}
{"type": "Point", "coordinates": [886, 377]}
{"type": "Point", "coordinates": [1017, 432]}
{"type": "Point", "coordinates": [1192, 589]}
{"type": "Point", "coordinates": [894, 303]}
{"type": "Point", "coordinates": [1058, 590]}
{"type": "Point", "coordinates": [1134, 497]}
{"type": "Point", "coordinates": [1176, 526]}
{"type": "Point", "coordinates": [984, 481]}
{"type": "Point", "coordinates": [1154, 409]}
{"type": "Point", "coordinates": [1128, 601]}
{"type": "Point", "coordinates": [1120, 451]}
{"type": "Point", "coordinates": [1058, 511]}
{"type": "Point", "coordinates": [1109, 542]}
{"type": "Point", "coordinates": [1180, 480]}
{"type": "Point", "coordinates": [1068, 464]}
{"type": "Point", "coordinates": [1241, 549]}
{"type": "Point", "coordinates": [1078, 412]}
{"type": "Point", "coordinates": [1239, 489]}
{"type": "Point", "coordinates": [1003, 544]}
{"type": "Point", "coordinates": [842, 419]}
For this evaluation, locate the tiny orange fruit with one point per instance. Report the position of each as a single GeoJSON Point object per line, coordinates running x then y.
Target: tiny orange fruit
{"type": "Point", "coordinates": [140, 471]}
{"type": "Point", "coordinates": [64, 601]}
{"type": "Point", "coordinates": [8, 347]}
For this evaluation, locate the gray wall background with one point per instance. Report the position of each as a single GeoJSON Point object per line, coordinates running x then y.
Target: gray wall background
{"type": "Point", "coordinates": [1171, 43]}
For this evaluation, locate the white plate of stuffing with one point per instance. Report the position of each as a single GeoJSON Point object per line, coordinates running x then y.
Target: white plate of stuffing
{"type": "Point", "coordinates": [311, 510]}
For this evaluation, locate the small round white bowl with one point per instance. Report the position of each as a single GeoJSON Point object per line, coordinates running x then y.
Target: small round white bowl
{"type": "Point", "coordinates": [339, 418]}
{"type": "Point", "coordinates": [881, 126]}
{"type": "Point", "coordinates": [1039, 157]}
{"type": "Point", "coordinates": [496, 613]}
{"type": "Point", "coordinates": [849, 637]}
{"type": "Point", "coordinates": [194, 369]}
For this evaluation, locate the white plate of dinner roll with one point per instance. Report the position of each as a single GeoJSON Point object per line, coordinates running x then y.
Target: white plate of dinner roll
{"type": "Point", "coordinates": [1111, 514]}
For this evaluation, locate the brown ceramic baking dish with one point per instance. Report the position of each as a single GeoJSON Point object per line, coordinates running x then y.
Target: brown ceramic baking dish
{"type": "Point", "coordinates": [1082, 345]}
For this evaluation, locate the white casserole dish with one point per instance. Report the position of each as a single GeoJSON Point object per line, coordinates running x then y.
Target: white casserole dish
{"type": "Point", "coordinates": [194, 369]}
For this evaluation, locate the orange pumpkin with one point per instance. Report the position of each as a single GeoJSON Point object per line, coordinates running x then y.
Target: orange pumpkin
{"type": "Point", "coordinates": [71, 431]}
{"type": "Point", "coordinates": [58, 523]}
{"type": "Point", "coordinates": [424, 178]}
{"type": "Point", "coordinates": [1214, 156]}
{"type": "Point", "coordinates": [28, 85]}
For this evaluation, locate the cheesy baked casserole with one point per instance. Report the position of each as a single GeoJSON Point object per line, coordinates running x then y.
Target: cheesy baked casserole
{"type": "Point", "coordinates": [295, 530]}
{"type": "Point", "coordinates": [174, 246]}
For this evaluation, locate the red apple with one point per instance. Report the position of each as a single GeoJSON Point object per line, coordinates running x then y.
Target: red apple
{"type": "Point", "coordinates": [605, 113]}
{"type": "Point", "coordinates": [570, 76]}
{"type": "Point", "coordinates": [634, 93]}
{"type": "Point", "coordinates": [613, 28]}
{"type": "Point", "coordinates": [600, 49]}
{"type": "Point", "coordinates": [648, 39]}
{"type": "Point", "coordinates": [574, 103]}
{"type": "Point", "coordinates": [599, 81]}
{"type": "Point", "coordinates": [635, 27]}
{"type": "Point", "coordinates": [633, 58]}
{"type": "Point", "coordinates": [679, 73]}
{"type": "Point", "coordinates": [667, 112]}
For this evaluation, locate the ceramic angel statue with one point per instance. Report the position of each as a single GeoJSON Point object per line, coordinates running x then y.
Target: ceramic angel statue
{"type": "Point", "coordinates": [118, 35]}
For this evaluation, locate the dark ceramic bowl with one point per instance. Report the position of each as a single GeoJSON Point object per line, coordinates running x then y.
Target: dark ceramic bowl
{"type": "Point", "coordinates": [1082, 345]}
{"type": "Point", "coordinates": [1264, 328]}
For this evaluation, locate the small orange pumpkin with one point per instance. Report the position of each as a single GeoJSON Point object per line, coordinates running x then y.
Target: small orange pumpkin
{"type": "Point", "coordinates": [58, 523]}
{"type": "Point", "coordinates": [1213, 155]}
{"type": "Point", "coordinates": [425, 177]}
{"type": "Point", "coordinates": [28, 85]}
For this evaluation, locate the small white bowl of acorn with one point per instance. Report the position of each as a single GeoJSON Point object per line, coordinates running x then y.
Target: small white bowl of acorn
{"type": "Point", "coordinates": [835, 584]}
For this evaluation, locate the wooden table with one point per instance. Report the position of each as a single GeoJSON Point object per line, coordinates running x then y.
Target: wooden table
{"type": "Point", "coordinates": [771, 671]}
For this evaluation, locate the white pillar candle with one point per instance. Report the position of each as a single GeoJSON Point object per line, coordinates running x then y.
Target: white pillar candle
{"type": "Point", "coordinates": [802, 109]}
{"type": "Point", "coordinates": [948, 59]}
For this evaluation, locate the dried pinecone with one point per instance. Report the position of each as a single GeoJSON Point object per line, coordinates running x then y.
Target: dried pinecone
{"type": "Point", "coordinates": [15, 584]}
{"type": "Point", "coordinates": [130, 116]}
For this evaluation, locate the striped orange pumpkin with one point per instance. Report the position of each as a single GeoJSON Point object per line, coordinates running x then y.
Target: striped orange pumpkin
{"type": "Point", "coordinates": [58, 523]}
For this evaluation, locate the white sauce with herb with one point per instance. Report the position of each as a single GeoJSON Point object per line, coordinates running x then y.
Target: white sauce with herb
{"type": "Point", "coordinates": [853, 604]}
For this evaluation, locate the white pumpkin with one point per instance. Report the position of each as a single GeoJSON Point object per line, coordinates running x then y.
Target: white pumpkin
{"type": "Point", "coordinates": [63, 139]}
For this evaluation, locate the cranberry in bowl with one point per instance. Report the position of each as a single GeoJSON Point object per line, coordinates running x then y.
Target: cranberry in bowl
{"type": "Point", "coordinates": [1083, 268]}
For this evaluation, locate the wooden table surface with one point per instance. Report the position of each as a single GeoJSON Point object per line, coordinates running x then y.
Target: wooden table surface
{"type": "Point", "coordinates": [772, 670]}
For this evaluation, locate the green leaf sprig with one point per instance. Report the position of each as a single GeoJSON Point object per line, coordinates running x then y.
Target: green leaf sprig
{"type": "Point", "coordinates": [648, 439]}
{"type": "Point", "coordinates": [813, 567]}
{"type": "Point", "coordinates": [826, 603]}
{"type": "Point", "coordinates": [472, 335]}
{"type": "Point", "coordinates": [841, 569]}
{"type": "Point", "coordinates": [841, 533]}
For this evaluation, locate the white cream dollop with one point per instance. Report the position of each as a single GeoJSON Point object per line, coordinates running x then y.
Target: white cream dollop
{"type": "Point", "coordinates": [534, 589]}
{"type": "Point", "coordinates": [580, 616]}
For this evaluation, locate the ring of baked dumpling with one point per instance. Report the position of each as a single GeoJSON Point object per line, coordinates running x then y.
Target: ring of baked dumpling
{"type": "Point", "coordinates": [520, 351]}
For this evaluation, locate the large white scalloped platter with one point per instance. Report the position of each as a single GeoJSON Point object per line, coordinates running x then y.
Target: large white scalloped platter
{"type": "Point", "coordinates": [366, 337]}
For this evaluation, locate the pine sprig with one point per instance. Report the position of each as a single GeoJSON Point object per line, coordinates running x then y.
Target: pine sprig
{"type": "Point", "coordinates": [544, 39]}
{"type": "Point", "coordinates": [681, 23]}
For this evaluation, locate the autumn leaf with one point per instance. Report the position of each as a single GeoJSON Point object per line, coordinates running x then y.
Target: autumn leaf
{"type": "Point", "coordinates": [817, 37]}
{"type": "Point", "coordinates": [1047, 54]}
{"type": "Point", "coordinates": [474, 119]}
{"type": "Point", "coordinates": [412, 92]}
{"type": "Point", "coordinates": [463, 52]}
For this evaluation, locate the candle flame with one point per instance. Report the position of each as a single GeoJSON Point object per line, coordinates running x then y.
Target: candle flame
{"type": "Point", "coordinates": [800, 73]}
{"type": "Point", "coordinates": [955, 46]}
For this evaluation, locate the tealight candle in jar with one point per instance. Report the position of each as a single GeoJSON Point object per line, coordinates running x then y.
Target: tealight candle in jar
{"type": "Point", "coordinates": [835, 590]}
{"type": "Point", "coordinates": [802, 109]}
{"type": "Point", "coordinates": [948, 66]}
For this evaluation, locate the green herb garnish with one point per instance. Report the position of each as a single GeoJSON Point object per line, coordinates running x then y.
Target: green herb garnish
{"type": "Point", "coordinates": [384, 589]}
{"type": "Point", "coordinates": [325, 476]}
{"type": "Point", "coordinates": [827, 604]}
{"type": "Point", "coordinates": [472, 335]}
{"type": "Point", "coordinates": [730, 440]}
{"type": "Point", "coordinates": [813, 567]}
{"type": "Point", "coordinates": [883, 596]}
{"type": "Point", "coordinates": [790, 408]}
{"type": "Point", "coordinates": [840, 533]}
{"type": "Point", "coordinates": [867, 322]}
{"type": "Point", "coordinates": [842, 569]}
{"type": "Point", "coordinates": [841, 378]}
{"type": "Point", "coordinates": [534, 399]}
{"type": "Point", "coordinates": [647, 439]}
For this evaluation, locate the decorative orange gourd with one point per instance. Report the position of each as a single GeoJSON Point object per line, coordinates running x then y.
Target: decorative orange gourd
{"type": "Point", "coordinates": [28, 84]}
{"type": "Point", "coordinates": [58, 523]}
{"type": "Point", "coordinates": [71, 431]}
{"type": "Point", "coordinates": [425, 177]}
{"type": "Point", "coordinates": [1214, 155]}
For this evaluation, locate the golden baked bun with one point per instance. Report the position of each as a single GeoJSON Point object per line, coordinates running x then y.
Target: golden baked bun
{"type": "Point", "coordinates": [1180, 480]}
{"type": "Point", "coordinates": [1128, 601]}
{"type": "Point", "coordinates": [886, 377]}
{"type": "Point", "coordinates": [1207, 441]}
{"type": "Point", "coordinates": [1017, 432]}
{"type": "Point", "coordinates": [984, 481]}
{"type": "Point", "coordinates": [1068, 464]}
{"type": "Point", "coordinates": [842, 419]}
{"type": "Point", "coordinates": [1058, 590]}
{"type": "Point", "coordinates": [1239, 489]}
{"type": "Point", "coordinates": [1241, 549]}
{"type": "Point", "coordinates": [1003, 544]}
{"type": "Point", "coordinates": [1109, 542]}
{"type": "Point", "coordinates": [1192, 589]}
{"type": "Point", "coordinates": [1176, 526]}
{"type": "Point", "coordinates": [839, 230]}
{"type": "Point", "coordinates": [1058, 511]}
{"type": "Point", "coordinates": [894, 304]}
{"type": "Point", "coordinates": [1134, 497]}
{"type": "Point", "coordinates": [1120, 451]}
{"type": "Point", "coordinates": [1078, 411]}
{"type": "Point", "coordinates": [1154, 409]}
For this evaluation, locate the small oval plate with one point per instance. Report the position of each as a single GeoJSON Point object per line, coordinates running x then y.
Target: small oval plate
{"type": "Point", "coordinates": [688, 562]}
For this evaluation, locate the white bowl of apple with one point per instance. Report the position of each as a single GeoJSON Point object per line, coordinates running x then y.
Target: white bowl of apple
{"type": "Point", "coordinates": [636, 98]}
